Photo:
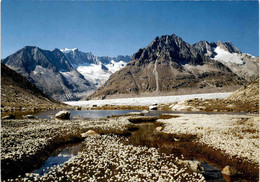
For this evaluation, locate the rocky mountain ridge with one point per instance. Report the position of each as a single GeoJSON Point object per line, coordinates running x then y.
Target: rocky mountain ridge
{"type": "Point", "coordinates": [63, 75]}
{"type": "Point", "coordinates": [77, 57]}
{"type": "Point", "coordinates": [169, 65]}
{"type": "Point", "coordinates": [50, 71]}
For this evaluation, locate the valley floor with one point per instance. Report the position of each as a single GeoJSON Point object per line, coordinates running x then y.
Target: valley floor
{"type": "Point", "coordinates": [228, 139]}
{"type": "Point", "coordinates": [146, 101]}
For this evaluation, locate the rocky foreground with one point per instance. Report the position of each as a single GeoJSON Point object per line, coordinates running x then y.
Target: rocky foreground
{"type": "Point", "coordinates": [108, 155]}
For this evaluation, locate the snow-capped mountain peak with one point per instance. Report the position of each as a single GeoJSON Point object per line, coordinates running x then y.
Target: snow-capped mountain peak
{"type": "Point", "coordinates": [66, 50]}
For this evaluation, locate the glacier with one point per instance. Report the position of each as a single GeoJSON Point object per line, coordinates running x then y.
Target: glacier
{"type": "Point", "coordinates": [96, 70]}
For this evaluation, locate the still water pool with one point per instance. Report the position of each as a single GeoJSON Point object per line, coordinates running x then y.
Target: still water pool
{"type": "Point", "coordinates": [59, 156]}
{"type": "Point", "coordinates": [84, 114]}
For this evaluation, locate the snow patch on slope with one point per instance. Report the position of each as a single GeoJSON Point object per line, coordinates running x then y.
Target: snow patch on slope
{"type": "Point", "coordinates": [223, 55]}
{"type": "Point", "coordinates": [39, 70]}
{"type": "Point", "coordinates": [115, 66]}
{"type": "Point", "coordinates": [66, 50]}
{"type": "Point", "coordinates": [94, 73]}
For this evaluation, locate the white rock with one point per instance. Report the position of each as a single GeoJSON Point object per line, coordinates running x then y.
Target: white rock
{"type": "Point", "coordinates": [10, 116]}
{"type": "Point", "coordinates": [159, 128]}
{"type": "Point", "coordinates": [63, 115]}
{"type": "Point", "coordinates": [89, 133]}
{"type": "Point", "coordinates": [134, 114]}
{"type": "Point", "coordinates": [153, 107]}
{"type": "Point", "coordinates": [229, 170]}
{"type": "Point", "coordinates": [194, 166]}
{"type": "Point", "coordinates": [183, 106]}
{"type": "Point", "coordinates": [29, 117]}
{"type": "Point", "coordinates": [145, 111]}
{"type": "Point", "coordinates": [176, 139]}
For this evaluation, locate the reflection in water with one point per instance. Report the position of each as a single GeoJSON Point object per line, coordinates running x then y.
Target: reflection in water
{"type": "Point", "coordinates": [19, 114]}
{"type": "Point", "coordinates": [59, 156]}
{"type": "Point", "coordinates": [75, 114]}
{"type": "Point", "coordinates": [88, 114]}
{"type": "Point", "coordinates": [146, 136]}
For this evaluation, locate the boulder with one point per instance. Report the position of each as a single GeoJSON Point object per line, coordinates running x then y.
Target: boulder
{"type": "Point", "coordinates": [202, 108]}
{"type": "Point", "coordinates": [229, 170]}
{"type": "Point", "coordinates": [183, 106]}
{"type": "Point", "coordinates": [63, 115]}
{"type": "Point", "coordinates": [176, 139]}
{"type": "Point", "coordinates": [89, 133]}
{"type": "Point", "coordinates": [134, 114]}
{"type": "Point", "coordinates": [10, 116]}
{"type": "Point", "coordinates": [144, 111]}
{"type": "Point", "coordinates": [78, 108]}
{"type": "Point", "coordinates": [194, 166]}
{"type": "Point", "coordinates": [153, 107]}
{"type": "Point", "coordinates": [159, 128]}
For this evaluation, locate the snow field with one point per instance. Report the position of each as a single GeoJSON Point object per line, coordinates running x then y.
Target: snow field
{"type": "Point", "coordinates": [66, 50]}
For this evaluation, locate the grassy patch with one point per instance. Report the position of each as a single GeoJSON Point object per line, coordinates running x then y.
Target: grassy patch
{"type": "Point", "coordinates": [143, 119]}
{"type": "Point", "coordinates": [168, 116]}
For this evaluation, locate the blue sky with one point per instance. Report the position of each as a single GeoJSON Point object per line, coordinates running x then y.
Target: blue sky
{"type": "Point", "coordinates": [122, 27]}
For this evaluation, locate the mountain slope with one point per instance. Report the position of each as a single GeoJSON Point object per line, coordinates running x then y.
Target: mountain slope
{"type": "Point", "coordinates": [17, 92]}
{"type": "Point", "coordinates": [50, 71]}
{"type": "Point", "coordinates": [243, 100]}
{"type": "Point", "coordinates": [77, 57]}
{"type": "Point", "coordinates": [248, 93]}
{"type": "Point", "coordinates": [168, 65]}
